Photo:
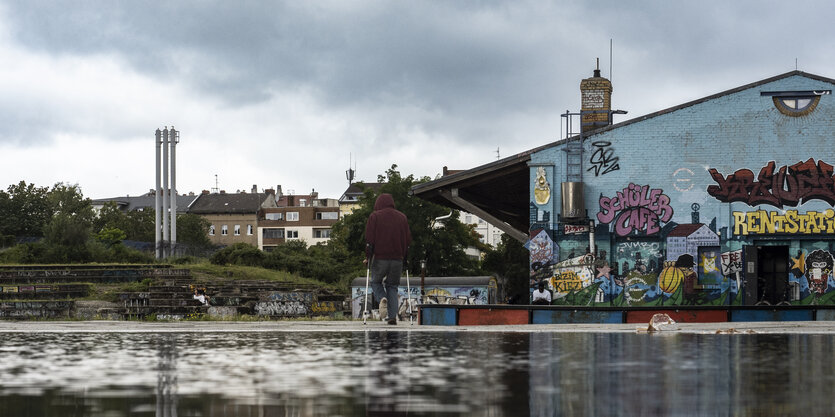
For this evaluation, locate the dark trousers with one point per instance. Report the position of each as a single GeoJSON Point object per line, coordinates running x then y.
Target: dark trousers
{"type": "Point", "coordinates": [388, 269]}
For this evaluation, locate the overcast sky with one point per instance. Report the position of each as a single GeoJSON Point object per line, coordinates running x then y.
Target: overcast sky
{"type": "Point", "coordinates": [267, 93]}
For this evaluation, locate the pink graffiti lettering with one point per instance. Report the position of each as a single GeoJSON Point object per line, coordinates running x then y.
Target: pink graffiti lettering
{"type": "Point", "coordinates": [636, 208]}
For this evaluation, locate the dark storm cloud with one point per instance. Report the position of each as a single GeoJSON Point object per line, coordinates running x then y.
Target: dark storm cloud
{"type": "Point", "coordinates": [435, 56]}
{"type": "Point", "coordinates": [470, 71]}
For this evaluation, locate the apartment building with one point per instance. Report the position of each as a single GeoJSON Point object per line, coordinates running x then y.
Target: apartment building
{"type": "Point", "coordinates": [233, 216]}
{"type": "Point", "coordinates": [306, 218]}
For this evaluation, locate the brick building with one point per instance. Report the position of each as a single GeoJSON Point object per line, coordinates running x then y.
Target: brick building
{"type": "Point", "coordinates": [723, 200]}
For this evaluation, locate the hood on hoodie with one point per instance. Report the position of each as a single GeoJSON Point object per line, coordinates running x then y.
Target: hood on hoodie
{"type": "Point", "coordinates": [384, 201]}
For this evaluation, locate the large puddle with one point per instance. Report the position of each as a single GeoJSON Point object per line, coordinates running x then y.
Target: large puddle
{"type": "Point", "coordinates": [414, 373]}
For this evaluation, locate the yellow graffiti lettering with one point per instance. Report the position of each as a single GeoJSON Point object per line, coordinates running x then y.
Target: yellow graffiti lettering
{"type": "Point", "coordinates": [566, 281]}
{"type": "Point", "coordinates": [323, 307]}
{"type": "Point", "coordinates": [740, 227]}
{"type": "Point", "coordinates": [765, 222]}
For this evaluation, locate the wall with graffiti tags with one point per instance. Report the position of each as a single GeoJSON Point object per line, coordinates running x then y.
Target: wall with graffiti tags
{"type": "Point", "coordinates": [681, 201]}
{"type": "Point", "coordinates": [480, 290]}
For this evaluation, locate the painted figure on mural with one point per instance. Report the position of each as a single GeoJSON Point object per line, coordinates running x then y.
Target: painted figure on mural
{"type": "Point", "coordinates": [542, 189]}
{"type": "Point", "coordinates": [689, 293]}
{"type": "Point", "coordinates": [819, 264]}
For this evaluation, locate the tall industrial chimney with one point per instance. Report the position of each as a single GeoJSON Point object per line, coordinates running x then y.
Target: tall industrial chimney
{"type": "Point", "coordinates": [165, 196]}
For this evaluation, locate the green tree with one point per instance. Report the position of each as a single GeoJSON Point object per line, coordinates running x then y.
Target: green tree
{"type": "Point", "coordinates": [137, 224]}
{"type": "Point", "coordinates": [140, 225]}
{"type": "Point", "coordinates": [510, 263]}
{"type": "Point", "coordinates": [68, 230]}
{"type": "Point", "coordinates": [441, 244]}
{"type": "Point", "coordinates": [111, 236]}
{"type": "Point", "coordinates": [24, 210]}
{"type": "Point", "coordinates": [193, 230]}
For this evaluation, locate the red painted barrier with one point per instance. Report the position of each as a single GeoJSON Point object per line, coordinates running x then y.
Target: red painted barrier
{"type": "Point", "coordinates": [687, 316]}
{"type": "Point", "coordinates": [471, 317]}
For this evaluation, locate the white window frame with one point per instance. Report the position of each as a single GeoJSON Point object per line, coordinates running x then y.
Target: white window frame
{"type": "Point", "coordinates": [317, 233]}
{"type": "Point", "coordinates": [292, 216]}
{"type": "Point", "coordinates": [327, 215]}
{"type": "Point", "coordinates": [274, 216]}
{"type": "Point", "coordinates": [249, 230]}
{"type": "Point", "coordinates": [291, 234]}
{"type": "Point", "coordinates": [237, 230]}
{"type": "Point", "coordinates": [211, 230]}
{"type": "Point", "coordinates": [224, 230]}
{"type": "Point", "coordinates": [271, 229]}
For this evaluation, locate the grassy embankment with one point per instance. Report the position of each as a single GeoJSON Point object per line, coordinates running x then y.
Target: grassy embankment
{"type": "Point", "coordinates": [206, 273]}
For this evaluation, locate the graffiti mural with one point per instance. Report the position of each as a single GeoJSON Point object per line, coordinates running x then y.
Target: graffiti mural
{"type": "Point", "coordinates": [544, 252]}
{"type": "Point", "coordinates": [792, 222]}
{"type": "Point", "coordinates": [602, 159]}
{"type": "Point", "coordinates": [788, 186]}
{"type": "Point", "coordinates": [636, 208]}
{"type": "Point", "coordinates": [819, 265]}
{"type": "Point", "coordinates": [687, 238]}
{"type": "Point", "coordinates": [434, 295]}
{"type": "Point", "coordinates": [731, 262]}
{"type": "Point", "coordinates": [571, 277]}
{"type": "Point", "coordinates": [643, 256]}
{"type": "Point", "coordinates": [542, 190]}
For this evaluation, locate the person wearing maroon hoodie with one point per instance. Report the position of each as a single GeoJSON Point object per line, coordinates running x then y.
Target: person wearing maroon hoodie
{"type": "Point", "coordinates": [387, 238]}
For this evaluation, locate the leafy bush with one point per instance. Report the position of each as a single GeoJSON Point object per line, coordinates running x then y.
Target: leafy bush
{"type": "Point", "coordinates": [239, 254]}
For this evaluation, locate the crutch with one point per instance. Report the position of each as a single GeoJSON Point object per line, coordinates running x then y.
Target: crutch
{"type": "Point", "coordinates": [409, 299]}
{"type": "Point", "coordinates": [367, 277]}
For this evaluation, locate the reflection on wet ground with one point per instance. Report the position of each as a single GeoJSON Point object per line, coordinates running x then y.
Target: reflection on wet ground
{"type": "Point", "coordinates": [414, 373]}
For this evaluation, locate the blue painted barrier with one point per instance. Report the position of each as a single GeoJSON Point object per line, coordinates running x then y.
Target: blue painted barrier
{"type": "Point", "coordinates": [575, 316]}
{"type": "Point", "coordinates": [438, 316]}
{"type": "Point", "coordinates": [770, 315]}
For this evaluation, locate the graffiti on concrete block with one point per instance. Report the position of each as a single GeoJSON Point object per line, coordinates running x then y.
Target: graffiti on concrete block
{"type": "Point", "coordinates": [788, 186]}
{"type": "Point", "coordinates": [323, 307]}
{"type": "Point", "coordinates": [281, 308]}
{"type": "Point", "coordinates": [303, 297]}
{"type": "Point", "coordinates": [636, 208]}
{"type": "Point", "coordinates": [602, 159]}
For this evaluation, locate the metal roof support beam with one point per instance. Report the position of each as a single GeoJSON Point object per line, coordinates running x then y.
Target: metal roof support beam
{"type": "Point", "coordinates": [452, 196]}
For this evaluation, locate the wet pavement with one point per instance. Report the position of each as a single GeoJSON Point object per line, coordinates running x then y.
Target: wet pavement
{"type": "Point", "coordinates": [800, 327]}
{"type": "Point", "coordinates": [347, 368]}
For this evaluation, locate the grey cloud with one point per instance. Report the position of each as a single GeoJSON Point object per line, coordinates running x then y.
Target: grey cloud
{"type": "Point", "coordinates": [459, 68]}
{"type": "Point", "coordinates": [429, 55]}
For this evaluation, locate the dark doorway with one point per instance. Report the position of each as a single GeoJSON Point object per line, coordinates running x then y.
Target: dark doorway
{"type": "Point", "coordinates": [773, 274]}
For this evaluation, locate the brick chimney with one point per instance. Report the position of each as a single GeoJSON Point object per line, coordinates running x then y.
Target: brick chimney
{"type": "Point", "coordinates": [595, 101]}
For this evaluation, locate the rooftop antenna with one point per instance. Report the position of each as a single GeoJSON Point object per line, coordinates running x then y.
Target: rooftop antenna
{"type": "Point", "coordinates": [216, 189]}
{"type": "Point", "coordinates": [610, 60]}
{"type": "Point", "coordinates": [349, 174]}
{"type": "Point", "coordinates": [498, 155]}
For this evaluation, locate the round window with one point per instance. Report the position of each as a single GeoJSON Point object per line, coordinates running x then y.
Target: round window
{"type": "Point", "coordinates": [796, 105]}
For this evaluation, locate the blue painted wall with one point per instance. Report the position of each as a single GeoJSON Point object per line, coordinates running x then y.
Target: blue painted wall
{"type": "Point", "coordinates": [672, 168]}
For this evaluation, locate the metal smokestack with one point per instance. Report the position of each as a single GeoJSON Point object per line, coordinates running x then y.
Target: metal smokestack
{"type": "Point", "coordinates": [175, 138]}
{"type": "Point", "coordinates": [165, 225]}
{"type": "Point", "coordinates": [157, 200]}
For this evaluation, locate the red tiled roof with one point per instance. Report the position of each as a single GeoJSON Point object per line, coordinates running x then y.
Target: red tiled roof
{"type": "Point", "coordinates": [684, 230]}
